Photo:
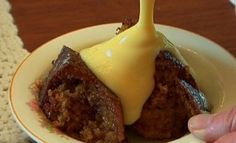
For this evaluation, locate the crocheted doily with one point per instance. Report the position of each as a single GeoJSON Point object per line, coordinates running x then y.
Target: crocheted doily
{"type": "Point", "coordinates": [11, 54]}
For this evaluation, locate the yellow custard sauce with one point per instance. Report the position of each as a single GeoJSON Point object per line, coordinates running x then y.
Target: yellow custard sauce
{"type": "Point", "coordinates": [126, 63]}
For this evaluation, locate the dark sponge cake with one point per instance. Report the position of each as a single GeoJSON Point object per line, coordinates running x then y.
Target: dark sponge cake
{"type": "Point", "coordinates": [174, 100]}
{"type": "Point", "coordinates": [79, 104]}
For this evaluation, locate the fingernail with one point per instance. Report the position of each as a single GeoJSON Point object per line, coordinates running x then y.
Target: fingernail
{"type": "Point", "coordinates": [201, 134]}
{"type": "Point", "coordinates": [199, 122]}
{"type": "Point", "coordinates": [198, 125]}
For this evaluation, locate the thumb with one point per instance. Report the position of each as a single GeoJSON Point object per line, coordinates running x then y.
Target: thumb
{"type": "Point", "coordinates": [228, 138]}
{"type": "Point", "coordinates": [210, 127]}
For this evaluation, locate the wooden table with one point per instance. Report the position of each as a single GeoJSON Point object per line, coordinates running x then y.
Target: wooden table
{"type": "Point", "coordinates": [40, 21]}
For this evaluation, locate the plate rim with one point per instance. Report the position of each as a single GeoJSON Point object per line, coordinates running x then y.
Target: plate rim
{"type": "Point", "coordinates": [23, 126]}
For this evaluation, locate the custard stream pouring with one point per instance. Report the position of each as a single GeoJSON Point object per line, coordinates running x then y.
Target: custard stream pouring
{"type": "Point", "coordinates": [126, 63]}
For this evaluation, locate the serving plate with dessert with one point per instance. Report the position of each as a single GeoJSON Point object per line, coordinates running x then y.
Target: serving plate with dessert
{"type": "Point", "coordinates": [93, 86]}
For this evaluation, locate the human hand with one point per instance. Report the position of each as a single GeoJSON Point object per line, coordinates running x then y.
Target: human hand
{"type": "Point", "coordinates": [219, 128]}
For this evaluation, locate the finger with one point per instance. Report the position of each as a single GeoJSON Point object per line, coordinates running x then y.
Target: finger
{"type": "Point", "coordinates": [228, 138]}
{"type": "Point", "coordinates": [211, 127]}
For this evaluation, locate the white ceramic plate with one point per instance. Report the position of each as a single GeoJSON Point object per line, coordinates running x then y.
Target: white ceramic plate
{"type": "Point", "coordinates": [215, 67]}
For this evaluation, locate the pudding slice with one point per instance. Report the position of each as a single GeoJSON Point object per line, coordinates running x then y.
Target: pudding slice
{"type": "Point", "coordinates": [76, 102]}
{"type": "Point", "coordinates": [175, 98]}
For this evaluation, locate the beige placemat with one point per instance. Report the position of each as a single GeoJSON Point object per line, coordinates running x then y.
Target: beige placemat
{"type": "Point", "coordinates": [11, 54]}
